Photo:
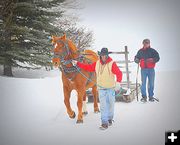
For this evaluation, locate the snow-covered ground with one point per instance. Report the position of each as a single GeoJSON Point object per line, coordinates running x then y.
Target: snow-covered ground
{"type": "Point", "coordinates": [30, 73]}
{"type": "Point", "coordinates": [32, 113]}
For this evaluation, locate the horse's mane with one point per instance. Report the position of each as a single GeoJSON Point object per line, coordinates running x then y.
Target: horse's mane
{"type": "Point", "coordinates": [72, 46]}
{"type": "Point", "coordinates": [89, 54]}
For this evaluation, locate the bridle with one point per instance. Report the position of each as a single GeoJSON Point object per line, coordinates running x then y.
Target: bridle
{"type": "Point", "coordinates": [73, 69]}
{"type": "Point", "coordinates": [66, 51]}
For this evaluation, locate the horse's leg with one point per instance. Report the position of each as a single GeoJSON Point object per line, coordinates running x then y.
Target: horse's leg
{"type": "Point", "coordinates": [67, 94]}
{"type": "Point", "coordinates": [81, 93]}
{"type": "Point", "coordinates": [85, 112]}
{"type": "Point", "coordinates": [95, 95]}
{"type": "Point", "coordinates": [84, 104]}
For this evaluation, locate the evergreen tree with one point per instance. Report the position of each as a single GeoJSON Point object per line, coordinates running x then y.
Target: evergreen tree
{"type": "Point", "coordinates": [24, 29]}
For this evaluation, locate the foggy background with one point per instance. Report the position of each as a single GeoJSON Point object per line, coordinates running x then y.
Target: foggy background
{"type": "Point", "coordinates": [117, 23]}
{"type": "Point", "coordinates": [33, 112]}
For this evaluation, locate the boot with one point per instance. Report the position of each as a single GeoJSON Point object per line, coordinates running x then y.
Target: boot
{"type": "Point", "coordinates": [110, 122]}
{"type": "Point", "coordinates": [103, 127]}
{"type": "Point", "coordinates": [144, 99]}
{"type": "Point", "coordinates": [151, 99]}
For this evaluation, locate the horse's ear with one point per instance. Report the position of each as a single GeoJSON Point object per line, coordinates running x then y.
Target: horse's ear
{"type": "Point", "coordinates": [53, 38]}
{"type": "Point", "coordinates": [64, 36]}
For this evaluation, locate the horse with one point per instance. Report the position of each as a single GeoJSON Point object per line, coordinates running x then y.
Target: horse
{"type": "Point", "coordinates": [65, 51]}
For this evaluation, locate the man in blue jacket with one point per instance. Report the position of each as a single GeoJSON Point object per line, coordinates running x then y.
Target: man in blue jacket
{"type": "Point", "coordinates": [147, 57]}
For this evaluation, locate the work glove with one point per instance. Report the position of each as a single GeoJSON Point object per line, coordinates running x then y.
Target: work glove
{"type": "Point", "coordinates": [150, 60]}
{"type": "Point", "coordinates": [74, 62]}
{"type": "Point", "coordinates": [136, 60]}
{"type": "Point", "coordinates": [118, 86]}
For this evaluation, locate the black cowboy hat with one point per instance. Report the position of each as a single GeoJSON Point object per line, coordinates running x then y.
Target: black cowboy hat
{"type": "Point", "coordinates": [104, 51]}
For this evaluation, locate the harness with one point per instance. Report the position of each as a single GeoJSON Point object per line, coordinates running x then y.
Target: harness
{"type": "Point", "coordinates": [74, 68]}
{"type": "Point", "coordinates": [69, 70]}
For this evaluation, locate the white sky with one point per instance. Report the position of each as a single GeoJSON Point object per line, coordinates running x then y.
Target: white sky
{"type": "Point", "coordinates": [117, 23]}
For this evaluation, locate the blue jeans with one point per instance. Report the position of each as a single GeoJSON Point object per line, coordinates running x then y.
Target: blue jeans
{"type": "Point", "coordinates": [107, 101]}
{"type": "Point", "coordinates": [150, 74]}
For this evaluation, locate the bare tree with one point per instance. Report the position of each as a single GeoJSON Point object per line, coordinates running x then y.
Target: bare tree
{"type": "Point", "coordinates": [69, 23]}
{"type": "Point", "coordinates": [72, 4]}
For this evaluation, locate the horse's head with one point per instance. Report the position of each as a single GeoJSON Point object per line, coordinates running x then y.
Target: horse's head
{"type": "Point", "coordinates": [63, 49]}
{"type": "Point", "coordinates": [59, 43]}
{"type": "Point", "coordinates": [58, 50]}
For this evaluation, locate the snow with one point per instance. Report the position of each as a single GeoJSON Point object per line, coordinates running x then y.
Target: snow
{"type": "Point", "coordinates": [32, 112]}
{"type": "Point", "coordinates": [30, 73]}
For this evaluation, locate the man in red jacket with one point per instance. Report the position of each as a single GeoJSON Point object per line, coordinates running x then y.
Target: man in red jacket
{"type": "Point", "coordinates": [106, 70]}
{"type": "Point", "coordinates": [147, 57]}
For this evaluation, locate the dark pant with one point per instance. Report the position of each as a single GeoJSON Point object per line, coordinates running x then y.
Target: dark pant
{"type": "Point", "coordinates": [150, 74]}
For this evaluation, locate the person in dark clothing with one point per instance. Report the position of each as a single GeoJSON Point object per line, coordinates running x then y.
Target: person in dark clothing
{"type": "Point", "coordinates": [147, 57]}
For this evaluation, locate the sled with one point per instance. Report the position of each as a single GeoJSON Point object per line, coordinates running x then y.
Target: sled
{"type": "Point", "coordinates": [133, 88]}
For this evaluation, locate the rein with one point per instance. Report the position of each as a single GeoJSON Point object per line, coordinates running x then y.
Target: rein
{"type": "Point", "coordinates": [119, 93]}
{"type": "Point", "coordinates": [74, 69]}
{"type": "Point", "coordinates": [63, 62]}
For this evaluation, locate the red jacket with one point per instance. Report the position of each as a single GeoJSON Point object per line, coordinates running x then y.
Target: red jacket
{"type": "Point", "coordinates": [147, 64]}
{"type": "Point", "coordinates": [147, 57]}
{"type": "Point", "coordinates": [91, 68]}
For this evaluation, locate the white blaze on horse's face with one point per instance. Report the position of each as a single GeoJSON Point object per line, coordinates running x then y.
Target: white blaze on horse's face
{"type": "Point", "coordinates": [57, 48]}
{"type": "Point", "coordinates": [55, 45]}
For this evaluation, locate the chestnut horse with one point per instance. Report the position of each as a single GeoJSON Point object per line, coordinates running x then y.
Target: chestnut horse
{"type": "Point", "coordinates": [64, 52]}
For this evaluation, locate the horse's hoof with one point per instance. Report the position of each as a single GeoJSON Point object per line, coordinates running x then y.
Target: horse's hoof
{"type": "Point", "coordinates": [85, 113]}
{"type": "Point", "coordinates": [79, 121]}
{"type": "Point", "coordinates": [96, 111]}
{"type": "Point", "coordinates": [73, 116]}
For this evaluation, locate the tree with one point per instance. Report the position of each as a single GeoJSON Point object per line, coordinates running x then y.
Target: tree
{"type": "Point", "coordinates": [69, 23]}
{"type": "Point", "coordinates": [24, 28]}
